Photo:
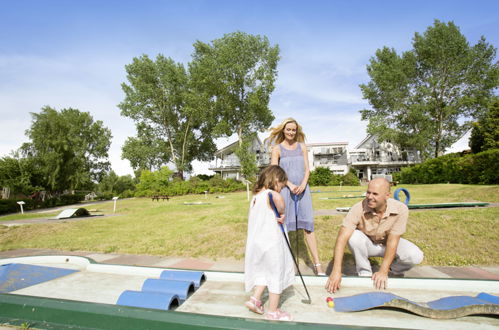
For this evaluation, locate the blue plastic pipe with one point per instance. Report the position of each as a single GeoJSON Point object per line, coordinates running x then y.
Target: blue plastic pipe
{"type": "Point", "coordinates": [155, 300]}
{"type": "Point", "coordinates": [180, 288]}
{"type": "Point", "coordinates": [179, 275]}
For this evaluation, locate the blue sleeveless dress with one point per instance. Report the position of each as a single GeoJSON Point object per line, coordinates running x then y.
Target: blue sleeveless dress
{"type": "Point", "coordinates": [292, 162]}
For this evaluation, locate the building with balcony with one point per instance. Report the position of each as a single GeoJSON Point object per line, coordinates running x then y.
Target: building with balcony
{"type": "Point", "coordinates": [227, 163]}
{"type": "Point", "coordinates": [332, 155]}
{"type": "Point", "coordinates": [371, 158]}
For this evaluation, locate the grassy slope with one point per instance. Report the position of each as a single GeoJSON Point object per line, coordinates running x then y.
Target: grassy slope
{"type": "Point", "coordinates": [218, 230]}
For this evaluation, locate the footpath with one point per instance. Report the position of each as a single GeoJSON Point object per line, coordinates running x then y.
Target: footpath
{"type": "Point", "coordinates": [230, 265]}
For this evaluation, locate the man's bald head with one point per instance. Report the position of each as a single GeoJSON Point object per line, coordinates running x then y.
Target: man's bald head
{"type": "Point", "coordinates": [382, 183]}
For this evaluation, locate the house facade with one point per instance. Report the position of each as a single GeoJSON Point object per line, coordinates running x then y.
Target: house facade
{"type": "Point", "coordinates": [227, 163]}
{"type": "Point", "coordinates": [333, 155]}
{"type": "Point", "coordinates": [369, 159]}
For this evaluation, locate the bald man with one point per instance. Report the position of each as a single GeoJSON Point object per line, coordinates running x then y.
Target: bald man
{"type": "Point", "coordinates": [373, 228]}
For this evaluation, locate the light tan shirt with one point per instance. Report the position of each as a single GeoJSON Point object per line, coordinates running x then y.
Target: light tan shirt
{"type": "Point", "coordinates": [365, 219]}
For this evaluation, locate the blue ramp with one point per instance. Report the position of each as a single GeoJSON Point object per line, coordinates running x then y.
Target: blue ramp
{"type": "Point", "coordinates": [444, 308]}
{"type": "Point", "coordinates": [18, 276]}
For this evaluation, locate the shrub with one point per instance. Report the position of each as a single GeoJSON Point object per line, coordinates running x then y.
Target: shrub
{"type": "Point", "coordinates": [321, 176]}
{"type": "Point", "coordinates": [480, 168]}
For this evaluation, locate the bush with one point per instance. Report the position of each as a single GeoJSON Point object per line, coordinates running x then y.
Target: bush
{"type": "Point", "coordinates": [11, 206]}
{"type": "Point", "coordinates": [321, 176]}
{"type": "Point", "coordinates": [350, 179]}
{"type": "Point", "coordinates": [480, 168]}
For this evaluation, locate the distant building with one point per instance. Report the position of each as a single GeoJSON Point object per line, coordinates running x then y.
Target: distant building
{"type": "Point", "coordinates": [227, 163]}
{"type": "Point", "coordinates": [332, 155]}
{"type": "Point", "coordinates": [369, 158]}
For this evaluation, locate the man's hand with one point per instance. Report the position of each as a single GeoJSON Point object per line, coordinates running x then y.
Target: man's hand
{"type": "Point", "coordinates": [281, 218]}
{"type": "Point", "coordinates": [333, 282]}
{"type": "Point", "coordinates": [380, 280]}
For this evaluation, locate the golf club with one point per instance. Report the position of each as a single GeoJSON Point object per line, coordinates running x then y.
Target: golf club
{"type": "Point", "coordinates": [295, 199]}
{"type": "Point", "coordinates": [305, 301]}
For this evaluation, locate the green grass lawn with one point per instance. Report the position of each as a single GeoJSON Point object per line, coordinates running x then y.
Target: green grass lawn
{"type": "Point", "coordinates": [218, 230]}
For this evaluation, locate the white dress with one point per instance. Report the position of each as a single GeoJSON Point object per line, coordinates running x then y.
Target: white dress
{"type": "Point", "coordinates": [267, 260]}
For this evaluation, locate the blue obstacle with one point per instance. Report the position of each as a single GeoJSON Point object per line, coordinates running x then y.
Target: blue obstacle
{"type": "Point", "coordinates": [179, 275]}
{"type": "Point", "coordinates": [155, 300]}
{"type": "Point", "coordinates": [407, 195]}
{"type": "Point", "coordinates": [180, 288]}
{"type": "Point", "coordinates": [447, 307]}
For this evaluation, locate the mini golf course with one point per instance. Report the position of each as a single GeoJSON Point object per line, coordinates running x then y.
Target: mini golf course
{"type": "Point", "coordinates": [61, 292]}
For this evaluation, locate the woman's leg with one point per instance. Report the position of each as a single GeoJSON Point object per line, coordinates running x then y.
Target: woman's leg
{"type": "Point", "coordinates": [312, 246]}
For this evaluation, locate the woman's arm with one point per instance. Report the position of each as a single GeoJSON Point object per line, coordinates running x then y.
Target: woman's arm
{"type": "Point", "coordinates": [274, 156]}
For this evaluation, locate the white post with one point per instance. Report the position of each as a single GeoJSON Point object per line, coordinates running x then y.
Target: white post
{"type": "Point", "coordinates": [341, 182]}
{"type": "Point", "coordinates": [247, 189]}
{"type": "Point", "coordinates": [21, 203]}
{"type": "Point", "coordinates": [114, 208]}
{"type": "Point", "coordinates": [206, 194]}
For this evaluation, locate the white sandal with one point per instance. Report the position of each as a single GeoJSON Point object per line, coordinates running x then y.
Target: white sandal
{"type": "Point", "coordinates": [254, 305]}
{"type": "Point", "coordinates": [316, 272]}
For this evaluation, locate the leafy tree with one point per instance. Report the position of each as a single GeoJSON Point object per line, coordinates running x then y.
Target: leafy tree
{"type": "Point", "coordinates": [247, 159]}
{"type": "Point", "coordinates": [159, 98]}
{"type": "Point", "coordinates": [237, 73]}
{"type": "Point", "coordinates": [485, 132]}
{"type": "Point", "coordinates": [426, 97]}
{"type": "Point", "coordinates": [115, 184]}
{"type": "Point", "coordinates": [20, 174]}
{"type": "Point", "coordinates": [68, 147]}
{"type": "Point", "coordinates": [145, 151]}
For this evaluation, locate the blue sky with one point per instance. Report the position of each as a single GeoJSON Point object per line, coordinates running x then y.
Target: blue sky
{"type": "Point", "coordinates": [72, 53]}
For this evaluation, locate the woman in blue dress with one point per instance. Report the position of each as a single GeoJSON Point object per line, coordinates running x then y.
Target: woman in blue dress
{"type": "Point", "coordinates": [290, 152]}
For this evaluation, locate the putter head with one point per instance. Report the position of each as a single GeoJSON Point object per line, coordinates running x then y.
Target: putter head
{"type": "Point", "coordinates": [306, 301]}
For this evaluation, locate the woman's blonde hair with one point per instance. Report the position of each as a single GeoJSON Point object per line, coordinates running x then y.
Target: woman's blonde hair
{"type": "Point", "coordinates": [269, 177]}
{"type": "Point", "coordinates": [277, 133]}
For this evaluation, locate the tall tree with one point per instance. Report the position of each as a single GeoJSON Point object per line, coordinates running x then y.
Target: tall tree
{"type": "Point", "coordinates": [70, 149]}
{"type": "Point", "coordinates": [145, 152]}
{"type": "Point", "coordinates": [485, 132]}
{"type": "Point", "coordinates": [426, 97]}
{"type": "Point", "coordinates": [237, 73]}
{"type": "Point", "coordinates": [20, 174]}
{"type": "Point", "coordinates": [160, 99]}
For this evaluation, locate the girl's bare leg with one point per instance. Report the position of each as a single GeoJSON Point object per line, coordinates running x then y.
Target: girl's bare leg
{"type": "Point", "coordinates": [273, 301]}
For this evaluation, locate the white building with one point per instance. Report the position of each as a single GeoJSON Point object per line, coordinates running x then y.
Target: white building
{"type": "Point", "coordinates": [333, 155]}
{"type": "Point", "coordinates": [371, 157]}
{"type": "Point", "coordinates": [227, 163]}
{"type": "Point", "coordinates": [368, 158]}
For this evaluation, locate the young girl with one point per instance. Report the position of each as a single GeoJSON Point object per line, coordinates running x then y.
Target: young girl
{"type": "Point", "coordinates": [268, 262]}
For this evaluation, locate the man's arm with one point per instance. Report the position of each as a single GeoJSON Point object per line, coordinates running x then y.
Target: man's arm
{"type": "Point", "coordinates": [334, 280]}
{"type": "Point", "coordinates": [380, 278]}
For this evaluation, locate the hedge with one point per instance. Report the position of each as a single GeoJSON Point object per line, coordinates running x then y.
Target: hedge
{"type": "Point", "coordinates": [11, 206]}
{"type": "Point", "coordinates": [480, 168]}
